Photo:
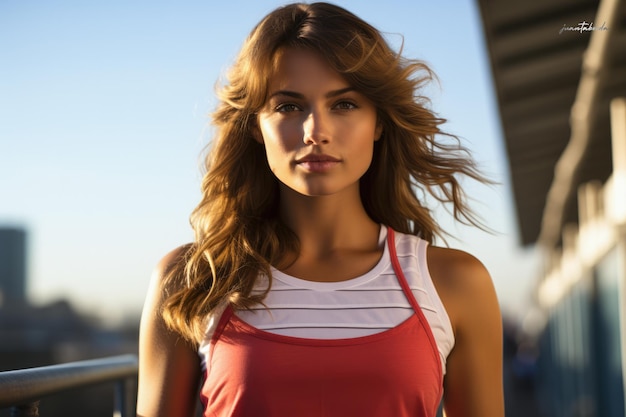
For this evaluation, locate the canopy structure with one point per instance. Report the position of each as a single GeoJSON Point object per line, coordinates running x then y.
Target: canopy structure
{"type": "Point", "coordinates": [556, 65]}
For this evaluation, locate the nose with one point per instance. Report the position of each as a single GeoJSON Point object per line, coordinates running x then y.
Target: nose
{"type": "Point", "coordinates": [316, 128]}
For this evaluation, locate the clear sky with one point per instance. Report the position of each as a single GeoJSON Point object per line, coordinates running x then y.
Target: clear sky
{"type": "Point", "coordinates": [104, 112]}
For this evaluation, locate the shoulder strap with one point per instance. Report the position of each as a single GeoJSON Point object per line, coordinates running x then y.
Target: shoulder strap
{"type": "Point", "coordinates": [221, 324]}
{"type": "Point", "coordinates": [391, 242]}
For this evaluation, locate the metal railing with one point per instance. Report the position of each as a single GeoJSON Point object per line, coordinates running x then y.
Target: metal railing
{"type": "Point", "coordinates": [21, 390]}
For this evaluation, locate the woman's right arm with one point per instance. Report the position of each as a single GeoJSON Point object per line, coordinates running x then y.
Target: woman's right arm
{"type": "Point", "coordinates": [169, 366]}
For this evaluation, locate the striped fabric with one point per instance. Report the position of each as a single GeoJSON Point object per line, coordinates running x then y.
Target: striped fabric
{"type": "Point", "coordinates": [365, 305]}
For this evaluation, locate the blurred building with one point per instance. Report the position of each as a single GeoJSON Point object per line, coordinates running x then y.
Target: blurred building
{"type": "Point", "coordinates": [33, 336]}
{"type": "Point", "coordinates": [12, 265]}
{"type": "Point", "coordinates": [39, 335]}
{"type": "Point", "coordinates": [559, 70]}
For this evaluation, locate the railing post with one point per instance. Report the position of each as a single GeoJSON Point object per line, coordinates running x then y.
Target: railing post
{"type": "Point", "coordinates": [124, 405]}
{"type": "Point", "coordinates": [26, 410]}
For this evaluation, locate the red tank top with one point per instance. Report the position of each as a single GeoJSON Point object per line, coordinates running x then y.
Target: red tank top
{"type": "Point", "coordinates": [254, 373]}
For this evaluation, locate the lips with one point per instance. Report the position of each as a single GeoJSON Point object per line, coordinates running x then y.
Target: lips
{"type": "Point", "coordinates": [317, 163]}
{"type": "Point", "coordinates": [317, 158]}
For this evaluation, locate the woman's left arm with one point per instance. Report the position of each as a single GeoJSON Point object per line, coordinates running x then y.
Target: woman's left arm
{"type": "Point", "coordinates": [473, 381]}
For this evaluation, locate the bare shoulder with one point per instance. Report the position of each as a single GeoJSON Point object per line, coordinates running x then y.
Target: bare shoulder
{"type": "Point", "coordinates": [174, 259]}
{"type": "Point", "coordinates": [159, 287]}
{"type": "Point", "coordinates": [169, 368]}
{"type": "Point", "coordinates": [473, 382]}
{"type": "Point", "coordinates": [456, 270]}
{"type": "Point", "coordinates": [462, 281]}
{"type": "Point", "coordinates": [161, 283]}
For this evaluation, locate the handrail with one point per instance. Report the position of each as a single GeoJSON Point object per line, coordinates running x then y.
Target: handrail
{"type": "Point", "coordinates": [24, 387]}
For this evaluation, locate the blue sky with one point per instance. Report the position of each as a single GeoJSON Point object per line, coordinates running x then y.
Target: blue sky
{"type": "Point", "coordinates": [104, 112]}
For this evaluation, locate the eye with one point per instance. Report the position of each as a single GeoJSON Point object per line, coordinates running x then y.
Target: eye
{"type": "Point", "coordinates": [286, 108]}
{"type": "Point", "coordinates": [345, 105]}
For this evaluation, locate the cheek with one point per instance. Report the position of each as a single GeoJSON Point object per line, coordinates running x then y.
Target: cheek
{"type": "Point", "coordinates": [275, 158]}
{"type": "Point", "coordinates": [364, 136]}
{"type": "Point", "coordinates": [279, 137]}
{"type": "Point", "coordinates": [276, 147]}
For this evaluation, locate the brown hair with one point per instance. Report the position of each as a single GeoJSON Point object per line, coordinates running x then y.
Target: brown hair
{"type": "Point", "coordinates": [237, 232]}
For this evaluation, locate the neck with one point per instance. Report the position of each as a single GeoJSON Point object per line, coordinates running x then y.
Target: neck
{"type": "Point", "coordinates": [328, 224]}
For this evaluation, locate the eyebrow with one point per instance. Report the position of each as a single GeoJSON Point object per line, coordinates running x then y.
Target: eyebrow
{"type": "Point", "coordinates": [294, 94]}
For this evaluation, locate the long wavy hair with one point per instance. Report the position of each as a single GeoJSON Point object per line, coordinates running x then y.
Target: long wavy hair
{"type": "Point", "coordinates": [237, 232]}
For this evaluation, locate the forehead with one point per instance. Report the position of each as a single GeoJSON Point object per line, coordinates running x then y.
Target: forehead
{"type": "Point", "coordinates": [302, 68]}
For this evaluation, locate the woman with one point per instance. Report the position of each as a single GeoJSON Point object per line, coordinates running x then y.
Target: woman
{"type": "Point", "coordinates": [311, 288]}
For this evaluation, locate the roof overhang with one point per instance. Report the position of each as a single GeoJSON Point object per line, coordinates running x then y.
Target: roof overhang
{"type": "Point", "coordinates": [537, 66]}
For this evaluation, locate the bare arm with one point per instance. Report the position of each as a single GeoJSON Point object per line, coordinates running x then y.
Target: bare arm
{"type": "Point", "coordinates": [473, 382]}
{"type": "Point", "coordinates": [169, 366]}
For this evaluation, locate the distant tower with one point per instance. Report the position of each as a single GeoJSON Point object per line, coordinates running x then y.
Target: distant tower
{"type": "Point", "coordinates": [12, 265]}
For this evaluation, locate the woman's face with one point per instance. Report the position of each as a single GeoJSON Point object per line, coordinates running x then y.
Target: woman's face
{"type": "Point", "coordinates": [318, 132]}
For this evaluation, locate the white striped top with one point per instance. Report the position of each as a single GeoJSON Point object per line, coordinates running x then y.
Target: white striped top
{"type": "Point", "coordinates": [365, 305]}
